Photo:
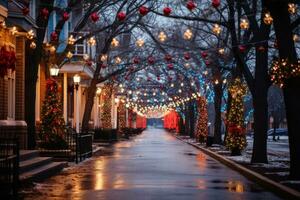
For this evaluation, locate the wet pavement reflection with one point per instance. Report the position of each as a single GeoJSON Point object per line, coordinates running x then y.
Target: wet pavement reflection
{"type": "Point", "coordinates": [154, 165]}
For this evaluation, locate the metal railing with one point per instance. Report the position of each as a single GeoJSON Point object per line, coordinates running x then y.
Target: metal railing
{"type": "Point", "coordinates": [84, 146]}
{"type": "Point", "coordinates": [9, 167]}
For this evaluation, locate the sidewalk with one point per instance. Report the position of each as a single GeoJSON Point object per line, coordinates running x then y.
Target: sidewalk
{"type": "Point", "coordinates": [273, 175]}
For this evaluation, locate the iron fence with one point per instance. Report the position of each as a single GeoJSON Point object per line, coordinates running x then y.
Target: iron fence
{"type": "Point", "coordinates": [84, 146]}
{"type": "Point", "coordinates": [9, 167]}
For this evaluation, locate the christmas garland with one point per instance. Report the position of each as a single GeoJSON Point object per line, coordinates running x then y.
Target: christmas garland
{"type": "Point", "coordinates": [7, 60]}
{"type": "Point", "coordinates": [281, 70]}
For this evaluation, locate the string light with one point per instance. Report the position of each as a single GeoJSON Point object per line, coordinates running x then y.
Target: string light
{"type": "Point", "coordinates": [292, 8]}
{"type": "Point", "coordinates": [69, 55]}
{"type": "Point", "coordinates": [30, 34]}
{"type": "Point", "coordinates": [114, 43]}
{"type": "Point", "coordinates": [14, 30]}
{"type": "Point", "coordinates": [32, 45]}
{"type": "Point", "coordinates": [92, 41]}
{"type": "Point", "coordinates": [221, 51]}
{"type": "Point", "coordinates": [236, 139]}
{"type": "Point", "coordinates": [162, 36]}
{"type": "Point", "coordinates": [216, 29]}
{"type": "Point", "coordinates": [296, 38]}
{"type": "Point", "coordinates": [188, 34]}
{"type": "Point", "coordinates": [244, 24]}
{"type": "Point", "coordinates": [52, 49]}
{"type": "Point", "coordinates": [140, 42]}
{"type": "Point", "coordinates": [86, 57]}
{"type": "Point", "coordinates": [103, 57]}
{"type": "Point", "coordinates": [268, 18]}
{"type": "Point", "coordinates": [118, 60]}
{"type": "Point", "coordinates": [71, 40]}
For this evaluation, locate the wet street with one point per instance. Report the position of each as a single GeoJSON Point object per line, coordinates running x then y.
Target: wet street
{"type": "Point", "coordinates": [154, 165]}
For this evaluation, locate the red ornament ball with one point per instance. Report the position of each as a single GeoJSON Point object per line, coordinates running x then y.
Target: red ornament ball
{"type": "Point", "coordinates": [121, 16]}
{"type": "Point", "coordinates": [25, 11]}
{"type": "Point", "coordinates": [66, 16]}
{"type": "Point", "coordinates": [191, 5]}
{"type": "Point", "coordinates": [170, 66]}
{"type": "Point", "coordinates": [136, 60]}
{"type": "Point", "coordinates": [242, 48]}
{"type": "Point", "coordinates": [54, 36]}
{"type": "Point", "coordinates": [168, 57]}
{"type": "Point", "coordinates": [45, 13]}
{"type": "Point", "coordinates": [215, 3]}
{"type": "Point", "coordinates": [207, 62]}
{"type": "Point", "coordinates": [151, 60]}
{"type": "Point", "coordinates": [261, 48]}
{"type": "Point", "coordinates": [167, 11]}
{"type": "Point", "coordinates": [204, 54]}
{"type": "Point", "coordinates": [143, 10]}
{"type": "Point", "coordinates": [89, 63]}
{"type": "Point", "coordinates": [187, 56]}
{"type": "Point", "coordinates": [94, 17]}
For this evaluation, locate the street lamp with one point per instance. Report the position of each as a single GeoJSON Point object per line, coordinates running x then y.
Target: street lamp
{"type": "Point", "coordinates": [99, 90]}
{"type": "Point", "coordinates": [54, 70]}
{"type": "Point", "coordinates": [76, 80]}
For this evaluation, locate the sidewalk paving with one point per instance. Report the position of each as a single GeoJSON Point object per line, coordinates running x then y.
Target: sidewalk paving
{"type": "Point", "coordinates": [277, 169]}
{"type": "Point", "coordinates": [154, 165]}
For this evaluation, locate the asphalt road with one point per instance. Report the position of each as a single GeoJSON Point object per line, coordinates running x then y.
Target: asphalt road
{"type": "Point", "coordinates": [154, 165]}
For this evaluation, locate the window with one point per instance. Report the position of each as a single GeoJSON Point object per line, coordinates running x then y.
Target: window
{"type": "Point", "coordinates": [80, 48]}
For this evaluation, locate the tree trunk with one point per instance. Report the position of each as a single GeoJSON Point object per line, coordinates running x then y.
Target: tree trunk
{"type": "Point", "coordinates": [181, 126]}
{"type": "Point", "coordinates": [275, 126]}
{"type": "Point", "coordinates": [192, 119]}
{"type": "Point", "coordinates": [227, 112]}
{"type": "Point", "coordinates": [218, 121]}
{"type": "Point", "coordinates": [260, 102]}
{"type": "Point", "coordinates": [187, 120]}
{"type": "Point", "coordinates": [284, 36]}
{"type": "Point", "coordinates": [91, 91]}
{"type": "Point", "coordinates": [32, 61]}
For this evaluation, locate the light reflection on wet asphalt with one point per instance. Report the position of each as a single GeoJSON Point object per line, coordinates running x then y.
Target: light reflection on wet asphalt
{"type": "Point", "coordinates": [154, 165]}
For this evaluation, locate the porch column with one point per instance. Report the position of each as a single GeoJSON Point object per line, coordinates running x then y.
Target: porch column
{"type": "Point", "coordinates": [126, 117]}
{"type": "Point", "coordinates": [65, 93]}
{"type": "Point", "coordinates": [38, 96]}
{"type": "Point", "coordinates": [96, 111]}
{"type": "Point", "coordinates": [77, 108]}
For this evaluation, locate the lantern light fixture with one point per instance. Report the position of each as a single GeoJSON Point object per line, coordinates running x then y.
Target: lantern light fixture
{"type": "Point", "coordinates": [54, 70]}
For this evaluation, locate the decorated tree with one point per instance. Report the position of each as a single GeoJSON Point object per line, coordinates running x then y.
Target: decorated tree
{"type": "Point", "coordinates": [236, 139]}
{"type": "Point", "coordinates": [202, 128]}
{"type": "Point", "coordinates": [53, 124]}
{"type": "Point", "coordinates": [107, 103]}
{"type": "Point", "coordinates": [121, 115]}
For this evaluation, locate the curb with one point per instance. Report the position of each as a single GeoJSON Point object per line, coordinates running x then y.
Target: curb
{"type": "Point", "coordinates": [277, 188]}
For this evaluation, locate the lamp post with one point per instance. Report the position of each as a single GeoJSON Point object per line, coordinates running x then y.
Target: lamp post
{"type": "Point", "coordinates": [76, 80]}
{"type": "Point", "coordinates": [54, 70]}
{"type": "Point", "coordinates": [117, 101]}
{"type": "Point", "coordinates": [96, 104]}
